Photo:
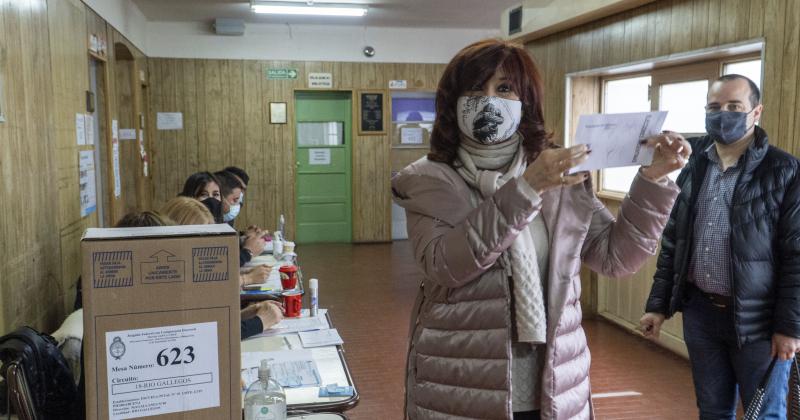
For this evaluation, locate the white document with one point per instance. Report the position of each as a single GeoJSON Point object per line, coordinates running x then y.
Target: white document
{"type": "Point", "coordinates": [115, 164]}
{"type": "Point", "coordinates": [319, 156]}
{"type": "Point", "coordinates": [291, 368]}
{"type": "Point", "coordinates": [127, 134]}
{"type": "Point", "coordinates": [86, 182]}
{"type": "Point", "coordinates": [155, 371]}
{"type": "Point", "coordinates": [89, 127]}
{"type": "Point", "coordinates": [615, 139]}
{"type": "Point", "coordinates": [169, 121]}
{"type": "Point", "coordinates": [115, 129]}
{"type": "Point", "coordinates": [80, 129]}
{"type": "Point", "coordinates": [411, 135]}
{"type": "Point", "coordinates": [320, 338]}
{"type": "Point", "coordinates": [320, 80]}
{"type": "Point", "coordinates": [302, 323]}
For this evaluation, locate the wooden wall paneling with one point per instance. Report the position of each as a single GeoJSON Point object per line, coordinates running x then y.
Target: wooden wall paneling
{"type": "Point", "coordinates": [634, 35]}
{"type": "Point", "coordinates": [663, 26]}
{"type": "Point", "coordinates": [253, 142]}
{"type": "Point", "coordinates": [651, 30]}
{"type": "Point", "coordinates": [788, 92]}
{"type": "Point", "coordinates": [680, 30]}
{"type": "Point", "coordinates": [186, 143]}
{"type": "Point", "coordinates": [28, 278]}
{"type": "Point", "coordinates": [714, 16]}
{"type": "Point", "coordinates": [756, 23]}
{"type": "Point", "coordinates": [698, 31]}
{"type": "Point", "coordinates": [68, 40]}
{"type": "Point", "coordinates": [598, 52]}
{"type": "Point", "coordinates": [774, 21]}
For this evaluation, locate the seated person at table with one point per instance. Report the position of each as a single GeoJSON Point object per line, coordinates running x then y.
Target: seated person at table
{"type": "Point", "coordinates": [188, 211]}
{"type": "Point", "coordinates": [203, 186]}
{"type": "Point", "coordinates": [231, 189]}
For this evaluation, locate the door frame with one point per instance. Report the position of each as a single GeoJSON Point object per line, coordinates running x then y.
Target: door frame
{"type": "Point", "coordinates": [293, 131]}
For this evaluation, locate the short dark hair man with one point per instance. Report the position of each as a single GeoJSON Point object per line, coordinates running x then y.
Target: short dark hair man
{"type": "Point", "coordinates": [730, 257]}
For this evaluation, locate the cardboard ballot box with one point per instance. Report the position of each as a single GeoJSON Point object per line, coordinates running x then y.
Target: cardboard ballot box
{"type": "Point", "coordinates": [161, 322]}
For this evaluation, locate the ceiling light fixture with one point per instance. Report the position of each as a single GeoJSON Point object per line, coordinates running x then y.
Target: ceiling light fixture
{"type": "Point", "coordinates": [309, 9]}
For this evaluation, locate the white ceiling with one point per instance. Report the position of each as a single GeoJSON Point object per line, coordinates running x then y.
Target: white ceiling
{"type": "Point", "coordinates": [474, 14]}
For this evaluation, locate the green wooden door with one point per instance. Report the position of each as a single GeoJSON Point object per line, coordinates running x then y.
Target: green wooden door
{"type": "Point", "coordinates": [323, 138]}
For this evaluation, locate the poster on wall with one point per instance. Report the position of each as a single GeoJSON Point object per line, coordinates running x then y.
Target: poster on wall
{"type": "Point", "coordinates": [115, 157]}
{"type": "Point", "coordinates": [87, 188]}
{"type": "Point", "coordinates": [169, 121]}
{"type": "Point", "coordinates": [370, 113]}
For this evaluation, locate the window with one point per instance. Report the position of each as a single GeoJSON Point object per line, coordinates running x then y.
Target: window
{"type": "Point", "coordinates": [680, 90]}
{"type": "Point", "coordinates": [624, 95]}
{"type": "Point", "coordinates": [750, 69]}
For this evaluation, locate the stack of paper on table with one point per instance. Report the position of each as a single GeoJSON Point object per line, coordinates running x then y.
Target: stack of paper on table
{"type": "Point", "coordinates": [303, 323]}
{"type": "Point", "coordinates": [320, 338]}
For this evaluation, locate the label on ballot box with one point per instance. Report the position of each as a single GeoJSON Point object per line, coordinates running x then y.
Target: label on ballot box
{"type": "Point", "coordinates": [154, 371]}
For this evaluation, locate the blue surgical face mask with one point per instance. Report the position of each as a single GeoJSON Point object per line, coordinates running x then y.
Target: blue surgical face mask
{"type": "Point", "coordinates": [727, 127]}
{"type": "Point", "coordinates": [232, 213]}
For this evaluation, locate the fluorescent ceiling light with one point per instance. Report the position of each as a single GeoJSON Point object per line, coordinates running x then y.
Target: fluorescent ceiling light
{"type": "Point", "coordinates": [323, 9]}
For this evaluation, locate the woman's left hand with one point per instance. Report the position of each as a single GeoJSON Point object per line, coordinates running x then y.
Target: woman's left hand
{"type": "Point", "coordinates": [672, 152]}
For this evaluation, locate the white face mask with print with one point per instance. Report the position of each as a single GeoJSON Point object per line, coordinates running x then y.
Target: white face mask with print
{"type": "Point", "coordinates": [488, 119]}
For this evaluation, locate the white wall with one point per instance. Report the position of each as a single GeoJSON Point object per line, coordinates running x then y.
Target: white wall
{"type": "Point", "coordinates": [310, 42]}
{"type": "Point", "coordinates": [125, 17]}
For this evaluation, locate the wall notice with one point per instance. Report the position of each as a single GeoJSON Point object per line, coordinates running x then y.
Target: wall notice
{"type": "Point", "coordinates": [169, 121]}
{"type": "Point", "coordinates": [87, 186]}
{"type": "Point", "coordinates": [156, 371]}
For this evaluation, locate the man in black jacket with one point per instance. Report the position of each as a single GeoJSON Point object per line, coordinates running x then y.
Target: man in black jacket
{"type": "Point", "coordinates": [730, 257]}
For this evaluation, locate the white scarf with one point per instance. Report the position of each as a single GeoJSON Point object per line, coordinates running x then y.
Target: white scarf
{"type": "Point", "coordinates": [486, 168]}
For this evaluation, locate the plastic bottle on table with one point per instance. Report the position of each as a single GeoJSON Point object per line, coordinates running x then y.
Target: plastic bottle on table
{"type": "Point", "coordinates": [313, 288]}
{"type": "Point", "coordinates": [265, 399]}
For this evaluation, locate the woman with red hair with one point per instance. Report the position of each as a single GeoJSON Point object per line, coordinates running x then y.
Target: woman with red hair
{"type": "Point", "coordinates": [500, 232]}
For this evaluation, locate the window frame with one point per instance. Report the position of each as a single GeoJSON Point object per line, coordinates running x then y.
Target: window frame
{"type": "Point", "coordinates": [704, 69]}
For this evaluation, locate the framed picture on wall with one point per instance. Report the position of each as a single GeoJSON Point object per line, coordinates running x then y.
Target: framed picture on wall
{"type": "Point", "coordinates": [277, 112]}
{"type": "Point", "coordinates": [371, 112]}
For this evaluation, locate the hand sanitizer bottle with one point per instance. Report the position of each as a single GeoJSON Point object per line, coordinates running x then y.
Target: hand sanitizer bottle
{"type": "Point", "coordinates": [265, 399]}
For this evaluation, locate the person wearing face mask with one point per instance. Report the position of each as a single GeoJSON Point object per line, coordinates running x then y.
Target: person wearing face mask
{"type": "Point", "coordinates": [729, 257]}
{"type": "Point", "coordinates": [500, 231]}
{"type": "Point", "coordinates": [231, 188]}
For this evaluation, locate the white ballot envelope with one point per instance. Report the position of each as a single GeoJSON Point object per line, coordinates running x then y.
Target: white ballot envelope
{"type": "Point", "coordinates": [616, 139]}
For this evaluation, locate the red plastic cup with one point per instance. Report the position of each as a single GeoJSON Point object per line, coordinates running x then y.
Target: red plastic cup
{"type": "Point", "coordinates": [292, 304]}
{"type": "Point", "coordinates": [288, 275]}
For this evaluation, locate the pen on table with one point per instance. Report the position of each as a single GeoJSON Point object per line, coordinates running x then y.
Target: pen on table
{"type": "Point", "coordinates": [288, 344]}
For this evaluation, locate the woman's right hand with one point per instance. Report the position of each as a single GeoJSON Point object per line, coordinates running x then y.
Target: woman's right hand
{"type": "Point", "coordinates": [547, 171]}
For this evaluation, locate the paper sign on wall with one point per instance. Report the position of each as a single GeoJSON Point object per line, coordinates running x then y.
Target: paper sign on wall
{"type": "Point", "coordinates": [80, 129]}
{"type": "Point", "coordinates": [320, 80]}
{"type": "Point", "coordinates": [155, 371]}
{"type": "Point", "coordinates": [89, 127]}
{"type": "Point", "coordinates": [319, 156]}
{"type": "Point", "coordinates": [115, 157]}
{"type": "Point", "coordinates": [87, 186]}
{"type": "Point", "coordinates": [169, 121]}
{"type": "Point", "coordinates": [411, 135]}
{"type": "Point", "coordinates": [398, 84]}
{"type": "Point", "coordinates": [127, 134]}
